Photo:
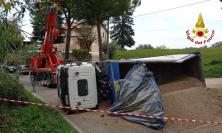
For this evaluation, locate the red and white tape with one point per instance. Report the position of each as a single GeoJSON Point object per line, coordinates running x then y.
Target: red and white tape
{"type": "Point", "coordinates": [176, 119]}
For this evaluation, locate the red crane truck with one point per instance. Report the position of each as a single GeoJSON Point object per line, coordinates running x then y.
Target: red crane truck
{"type": "Point", "coordinates": [44, 66]}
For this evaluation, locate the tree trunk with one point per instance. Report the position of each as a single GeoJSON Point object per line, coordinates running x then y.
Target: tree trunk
{"type": "Point", "coordinates": [99, 37]}
{"type": "Point", "coordinates": [68, 37]}
{"type": "Point", "coordinates": [107, 50]}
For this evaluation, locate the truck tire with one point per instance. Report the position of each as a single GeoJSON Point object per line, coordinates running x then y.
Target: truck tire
{"type": "Point", "coordinates": [103, 85]}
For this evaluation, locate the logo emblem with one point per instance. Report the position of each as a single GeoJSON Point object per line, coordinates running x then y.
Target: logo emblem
{"type": "Point", "coordinates": [200, 34]}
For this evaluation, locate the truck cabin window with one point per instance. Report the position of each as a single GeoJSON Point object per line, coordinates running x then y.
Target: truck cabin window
{"type": "Point", "coordinates": [82, 87]}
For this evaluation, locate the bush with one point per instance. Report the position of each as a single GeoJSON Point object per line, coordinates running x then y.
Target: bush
{"type": "Point", "coordinates": [81, 55]}
{"type": "Point", "coordinates": [20, 56]}
{"type": "Point", "coordinates": [145, 46]}
{"type": "Point", "coordinates": [11, 39]}
{"type": "Point", "coordinates": [214, 62]}
{"type": "Point", "coordinates": [11, 89]}
{"type": "Point", "coordinates": [112, 47]}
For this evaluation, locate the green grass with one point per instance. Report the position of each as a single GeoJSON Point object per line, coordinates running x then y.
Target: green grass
{"type": "Point", "coordinates": [32, 119]}
{"type": "Point", "coordinates": [209, 55]}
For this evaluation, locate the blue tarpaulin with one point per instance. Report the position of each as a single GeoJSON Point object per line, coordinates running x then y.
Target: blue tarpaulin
{"type": "Point", "coordinates": [139, 94]}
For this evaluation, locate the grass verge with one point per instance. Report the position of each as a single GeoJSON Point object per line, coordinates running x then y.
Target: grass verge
{"type": "Point", "coordinates": [26, 118]}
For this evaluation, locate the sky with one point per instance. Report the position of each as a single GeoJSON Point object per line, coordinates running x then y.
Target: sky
{"type": "Point", "coordinates": [169, 27]}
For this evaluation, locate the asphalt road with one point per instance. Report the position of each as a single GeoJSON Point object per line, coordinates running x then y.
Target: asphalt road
{"type": "Point", "coordinates": [89, 122]}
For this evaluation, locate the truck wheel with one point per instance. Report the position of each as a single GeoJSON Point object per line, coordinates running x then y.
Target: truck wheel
{"type": "Point", "coordinates": [68, 111]}
{"type": "Point", "coordinates": [103, 85]}
{"type": "Point", "coordinates": [97, 106]}
{"type": "Point", "coordinates": [50, 82]}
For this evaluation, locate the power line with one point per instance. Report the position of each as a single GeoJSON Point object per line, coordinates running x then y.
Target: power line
{"type": "Point", "coordinates": [171, 29]}
{"type": "Point", "coordinates": [169, 9]}
{"type": "Point", "coordinates": [167, 29]}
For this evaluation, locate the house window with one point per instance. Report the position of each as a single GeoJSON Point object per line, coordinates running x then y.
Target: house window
{"type": "Point", "coordinates": [82, 87]}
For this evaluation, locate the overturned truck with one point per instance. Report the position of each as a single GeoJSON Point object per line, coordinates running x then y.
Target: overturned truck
{"type": "Point", "coordinates": [85, 85]}
{"type": "Point", "coordinates": [165, 68]}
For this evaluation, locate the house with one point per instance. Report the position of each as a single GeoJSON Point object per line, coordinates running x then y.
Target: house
{"type": "Point", "coordinates": [77, 39]}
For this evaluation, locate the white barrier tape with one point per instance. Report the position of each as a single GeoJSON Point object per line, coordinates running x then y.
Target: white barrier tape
{"type": "Point", "coordinates": [114, 113]}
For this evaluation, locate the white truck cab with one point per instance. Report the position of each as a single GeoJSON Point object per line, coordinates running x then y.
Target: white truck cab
{"type": "Point", "coordinates": [77, 85]}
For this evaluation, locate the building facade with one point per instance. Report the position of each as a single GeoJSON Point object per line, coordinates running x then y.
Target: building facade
{"type": "Point", "coordinates": [77, 43]}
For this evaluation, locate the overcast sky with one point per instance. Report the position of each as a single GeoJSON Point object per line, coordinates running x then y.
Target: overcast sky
{"type": "Point", "coordinates": [169, 27]}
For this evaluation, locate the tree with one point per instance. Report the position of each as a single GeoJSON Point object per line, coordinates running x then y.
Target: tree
{"type": "Point", "coordinates": [70, 11]}
{"type": "Point", "coordinates": [11, 39]}
{"type": "Point", "coordinates": [161, 47]}
{"type": "Point", "coordinates": [217, 44]}
{"type": "Point", "coordinates": [112, 48]}
{"type": "Point", "coordinates": [145, 46]}
{"type": "Point", "coordinates": [87, 36]}
{"type": "Point", "coordinates": [12, 6]}
{"type": "Point", "coordinates": [67, 10]}
{"type": "Point", "coordinates": [11, 12]}
{"type": "Point", "coordinates": [39, 20]}
{"type": "Point", "coordinates": [122, 31]}
{"type": "Point", "coordinates": [97, 11]}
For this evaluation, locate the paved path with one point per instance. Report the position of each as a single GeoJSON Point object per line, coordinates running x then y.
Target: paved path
{"type": "Point", "coordinates": [90, 122]}
{"type": "Point", "coordinates": [214, 83]}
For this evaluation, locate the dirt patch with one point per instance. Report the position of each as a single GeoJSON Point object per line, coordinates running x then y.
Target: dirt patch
{"type": "Point", "coordinates": [188, 98]}
{"type": "Point", "coordinates": [183, 82]}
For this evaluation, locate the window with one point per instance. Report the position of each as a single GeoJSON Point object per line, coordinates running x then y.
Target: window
{"type": "Point", "coordinates": [82, 87]}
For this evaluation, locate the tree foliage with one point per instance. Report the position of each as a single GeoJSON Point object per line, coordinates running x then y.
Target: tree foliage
{"type": "Point", "coordinates": [97, 11]}
{"type": "Point", "coordinates": [21, 55]}
{"type": "Point", "coordinates": [70, 11]}
{"type": "Point", "coordinates": [11, 39]}
{"type": "Point", "coordinates": [67, 11]}
{"type": "Point", "coordinates": [94, 11]}
{"type": "Point", "coordinates": [39, 20]}
{"type": "Point", "coordinates": [217, 44]}
{"type": "Point", "coordinates": [122, 31]}
{"type": "Point", "coordinates": [112, 48]}
{"type": "Point", "coordinates": [161, 47]}
{"type": "Point", "coordinates": [145, 46]}
{"type": "Point", "coordinates": [81, 55]}
{"type": "Point", "coordinates": [87, 36]}
{"type": "Point", "coordinates": [14, 7]}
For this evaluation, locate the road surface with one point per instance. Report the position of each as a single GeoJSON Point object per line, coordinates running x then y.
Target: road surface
{"type": "Point", "coordinates": [89, 122]}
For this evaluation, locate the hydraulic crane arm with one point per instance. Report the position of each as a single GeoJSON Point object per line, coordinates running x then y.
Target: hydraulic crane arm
{"type": "Point", "coordinates": [50, 32]}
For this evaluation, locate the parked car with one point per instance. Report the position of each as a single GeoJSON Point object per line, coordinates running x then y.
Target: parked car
{"type": "Point", "coordinates": [23, 69]}
{"type": "Point", "coordinates": [11, 69]}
